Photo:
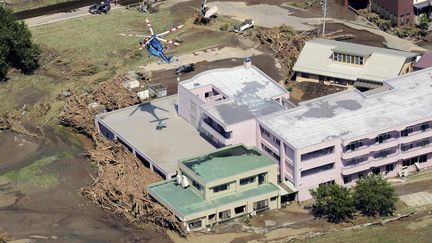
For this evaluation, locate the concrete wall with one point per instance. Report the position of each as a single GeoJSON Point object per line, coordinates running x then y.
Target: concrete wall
{"type": "Point", "coordinates": [204, 216]}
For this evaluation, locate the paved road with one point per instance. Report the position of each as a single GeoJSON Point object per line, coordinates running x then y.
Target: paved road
{"type": "Point", "coordinates": [52, 18]}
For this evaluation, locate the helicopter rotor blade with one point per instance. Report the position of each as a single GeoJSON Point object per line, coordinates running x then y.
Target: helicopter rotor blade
{"type": "Point", "coordinates": [149, 27]}
{"type": "Point", "coordinates": [168, 41]}
{"type": "Point", "coordinates": [170, 30]}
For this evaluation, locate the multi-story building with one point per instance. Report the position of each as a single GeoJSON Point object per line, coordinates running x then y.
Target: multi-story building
{"type": "Point", "coordinates": [224, 103]}
{"type": "Point", "coordinates": [350, 65]}
{"type": "Point", "coordinates": [341, 137]}
{"type": "Point", "coordinates": [399, 12]}
{"type": "Point", "coordinates": [219, 186]}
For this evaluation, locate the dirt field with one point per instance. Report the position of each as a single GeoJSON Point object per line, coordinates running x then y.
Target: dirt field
{"type": "Point", "coordinates": [39, 193]}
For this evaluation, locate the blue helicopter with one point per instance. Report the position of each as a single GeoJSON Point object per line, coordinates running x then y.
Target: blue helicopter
{"type": "Point", "coordinates": [153, 43]}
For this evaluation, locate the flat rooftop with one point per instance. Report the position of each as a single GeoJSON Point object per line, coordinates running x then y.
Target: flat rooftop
{"type": "Point", "coordinates": [227, 162]}
{"type": "Point", "coordinates": [249, 93]}
{"type": "Point", "coordinates": [188, 201]}
{"type": "Point", "coordinates": [137, 126]}
{"type": "Point", "coordinates": [381, 63]}
{"type": "Point", "coordinates": [351, 114]}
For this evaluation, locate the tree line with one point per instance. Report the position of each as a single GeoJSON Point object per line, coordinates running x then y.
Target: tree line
{"type": "Point", "coordinates": [16, 48]}
{"type": "Point", "coordinates": [372, 196]}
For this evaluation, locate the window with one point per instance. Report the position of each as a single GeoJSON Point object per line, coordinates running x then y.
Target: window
{"type": "Point", "coordinates": [423, 142]}
{"type": "Point", "coordinates": [305, 75]}
{"type": "Point", "coordinates": [354, 145]}
{"type": "Point", "coordinates": [260, 204]}
{"type": "Point", "coordinates": [196, 185]}
{"type": "Point", "coordinates": [240, 209]}
{"type": "Point", "coordinates": [208, 94]}
{"type": "Point", "coordinates": [389, 167]}
{"type": "Point", "coordinates": [195, 224]}
{"type": "Point", "coordinates": [275, 140]}
{"type": "Point", "coordinates": [361, 174]}
{"type": "Point", "coordinates": [317, 153]}
{"type": "Point", "coordinates": [383, 153]}
{"type": "Point", "coordinates": [406, 147]}
{"type": "Point", "coordinates": [247, 180]}
{"type": "Point", "coordinates": [425, 126]}
{"type": "Point", "coordinates": [413, 160]}
{"type": "Point", "coordinates": [212, 217]}
{"type": "Point", "coordinates": [220, 188]}
{"type": "Point", "coordinates": [382, 137]}
{"type": "Point", "coordinates": [272, 199]}
{"type": "Point", "coordinates": [355, 161]}
{"type": "Point", "coordinates": [327, 183]}
{"type": "Point", "coordinates": [225, 214]}
{"type": "Point", "coordinates": [265, 132]}
{"type": "Point", "coordinates": [406, 131]}
{"type": "Point", "coordinates": [317, 169]}
{"type": "Point", "coordinates": [347, 179]}
{"type": "Point", "coordinates": [376, 171]}
{"type": "Point", "coordinates": [262, 178]}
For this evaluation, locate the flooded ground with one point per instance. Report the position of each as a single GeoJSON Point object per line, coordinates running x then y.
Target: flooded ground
{"type": "Point", "coordinates": [40, 180]}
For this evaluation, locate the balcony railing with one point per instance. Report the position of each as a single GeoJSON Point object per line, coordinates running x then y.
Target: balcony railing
{"type": "Point", "coordinates": [217, 128]}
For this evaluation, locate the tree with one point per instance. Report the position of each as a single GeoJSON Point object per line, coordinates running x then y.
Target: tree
{"type": "Point", "coordinates": [333, 202]}
{"type": "Point", "coordinates": [373, 195]}
{"type": "Point", "coordinates": [424, 24]}
{"type": "Point", "coordinates": [16, 48]}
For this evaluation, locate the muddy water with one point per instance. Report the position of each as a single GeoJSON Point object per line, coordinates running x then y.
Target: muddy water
{"type": "Point", "coordinates": [45, 203]}
{"type": "Point", "coordinates": [62, 7]}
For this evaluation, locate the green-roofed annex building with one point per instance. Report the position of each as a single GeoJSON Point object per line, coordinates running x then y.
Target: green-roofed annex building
{"type": "Point", "coordinates": [218, 186]}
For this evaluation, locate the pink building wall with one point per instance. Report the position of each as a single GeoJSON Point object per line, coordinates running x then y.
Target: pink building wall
{"type": "Point", "coordinates": [307, 182]}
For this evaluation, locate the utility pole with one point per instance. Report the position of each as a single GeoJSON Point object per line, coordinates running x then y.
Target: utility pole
{"type": "Point", "coordinates": [324, 8]}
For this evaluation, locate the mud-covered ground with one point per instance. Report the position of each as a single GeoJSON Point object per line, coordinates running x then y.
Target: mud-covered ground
{"type": "Point", "coordinates": [40, 180]}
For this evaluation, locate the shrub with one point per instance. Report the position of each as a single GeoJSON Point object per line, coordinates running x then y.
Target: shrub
{"type": "Point", "coordinates": [16, 49]}
{"type": "Point", "coordinates": [333, 202]}
{"type": "Point", "coordinates": [373, 195]}
{"type": "Point", "coordinates": [423, 24]}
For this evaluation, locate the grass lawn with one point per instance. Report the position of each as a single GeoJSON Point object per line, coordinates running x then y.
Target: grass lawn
{"type": "Point", "coordinates": [79, 52]}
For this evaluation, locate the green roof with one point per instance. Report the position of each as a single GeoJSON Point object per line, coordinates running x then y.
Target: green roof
{"type": "Point", "coordinates": [188, 201]}
{"type": "Point", "coordinates": [227, 162]}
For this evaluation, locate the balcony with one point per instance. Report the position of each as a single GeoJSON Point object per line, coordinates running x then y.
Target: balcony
{"type": "Point", "coordinates": [392, 142]}
{"type": "Point", "coordinates": [272, 145]}
{"type": "Point", "coordinates": [355, 153]}
{"type": "Point", "coordinates": [418, 135]}
{"type": "Point", "coordinates": [366, 165]}
{"type": "Point", "coordinates": [318, 161]}
{"type": "Point", "coordinates": [214, 133]}
{"type": "Point", "coordinates": [416, 151]}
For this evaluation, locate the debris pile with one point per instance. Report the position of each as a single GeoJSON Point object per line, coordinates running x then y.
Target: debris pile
{"type": "Point", "coordinates": [287, 43]}
{"type": "Point", "coordinates": [13, 121]}
{"type": "Point", "coordinates": [120, 185]}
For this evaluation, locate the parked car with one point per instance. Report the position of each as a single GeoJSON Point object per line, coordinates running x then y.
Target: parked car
{"type": "Point", "coordinates": [185, 69]}
{"type": "Point", "coordinates": [248, 23]}
{"type": "Point", "coordinates": [102, 7]}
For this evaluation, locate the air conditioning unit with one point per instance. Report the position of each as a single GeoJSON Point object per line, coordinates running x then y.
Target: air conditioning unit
{"type": "Point", "coordinates": [179, 179]}
{"type": "Point", "coordinates": [184, 181]}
